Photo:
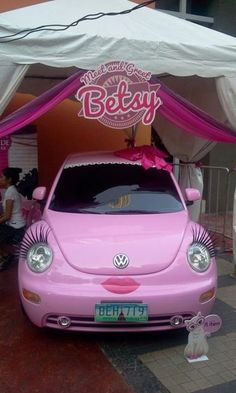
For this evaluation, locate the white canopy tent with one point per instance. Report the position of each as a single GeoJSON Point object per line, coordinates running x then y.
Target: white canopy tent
{"type": "Point", "coordinates": [153, 40]}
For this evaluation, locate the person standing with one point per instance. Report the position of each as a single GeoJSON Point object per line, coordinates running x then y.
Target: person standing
{"type": "Point", "coordinates": [12, 221]}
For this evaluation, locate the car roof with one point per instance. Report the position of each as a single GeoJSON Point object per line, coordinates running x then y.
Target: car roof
{"type": "Point", "coordinates": [96, 158]}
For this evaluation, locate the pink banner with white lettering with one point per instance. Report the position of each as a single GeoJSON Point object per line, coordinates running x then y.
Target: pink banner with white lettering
{"type": "Point", "coordinates": [119, 103]}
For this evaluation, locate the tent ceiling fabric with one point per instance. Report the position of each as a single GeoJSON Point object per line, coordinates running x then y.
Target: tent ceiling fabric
{"type": "Point", "coordinates": [153, 40]}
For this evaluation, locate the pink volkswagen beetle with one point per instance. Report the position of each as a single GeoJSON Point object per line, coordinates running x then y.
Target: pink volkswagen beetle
{"type": "Point", "coordinates": [115, 249]}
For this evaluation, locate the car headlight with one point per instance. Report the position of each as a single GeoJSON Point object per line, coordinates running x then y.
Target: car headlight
{"type": "Point", "coordinates": [39, 257]}
{"type": "Point", "coordinates": [198, 257]}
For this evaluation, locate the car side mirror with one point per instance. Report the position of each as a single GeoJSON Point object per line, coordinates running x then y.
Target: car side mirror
{"type": "Point", "coordinates": [39, 193]}
{"type": "Point", "coordinates": [192, 195]}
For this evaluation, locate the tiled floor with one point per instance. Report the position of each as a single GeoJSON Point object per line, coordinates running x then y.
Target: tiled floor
{"type": "Point", "coordinates": [178, 376]}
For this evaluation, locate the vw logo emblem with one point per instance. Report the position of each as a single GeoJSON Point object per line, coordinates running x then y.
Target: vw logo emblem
{"type": "Point", "coordinates": [120, 261]}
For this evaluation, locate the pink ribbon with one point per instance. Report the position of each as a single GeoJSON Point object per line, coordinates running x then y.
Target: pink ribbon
{"type": "Point", "coordinates": [149, 156]}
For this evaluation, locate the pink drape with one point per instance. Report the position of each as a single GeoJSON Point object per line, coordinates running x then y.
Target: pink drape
{"type": "Point", "coordinates": [40, 105]}
{"type": "Point", "coordinates": [176, 109]}
{"type": "Point", "coordinates": [188, 117]}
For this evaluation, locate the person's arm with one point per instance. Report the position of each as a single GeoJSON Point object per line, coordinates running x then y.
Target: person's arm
{"type": "Point", "coordinates": [8, 211]}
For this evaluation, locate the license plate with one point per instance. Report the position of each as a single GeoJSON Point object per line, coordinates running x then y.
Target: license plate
{"type": "Point", "coordinates": [121, 312]}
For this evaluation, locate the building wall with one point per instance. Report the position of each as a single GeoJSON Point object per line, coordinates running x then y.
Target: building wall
{"type": "Point", "coordinates": [225, 16]}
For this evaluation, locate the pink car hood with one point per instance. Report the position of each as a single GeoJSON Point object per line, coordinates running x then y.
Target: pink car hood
{"type": "Point", "coordinates": [89, 242]}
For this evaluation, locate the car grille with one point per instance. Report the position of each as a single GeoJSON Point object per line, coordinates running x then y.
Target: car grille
{"type": "Point", "coordinates": [88, 323]}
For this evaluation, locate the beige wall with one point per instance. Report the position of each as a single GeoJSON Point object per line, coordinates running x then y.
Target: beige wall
{"type": "Point", "coordinates": [141, 1]}
{"type": "Point", "coordinates": [8, 5]}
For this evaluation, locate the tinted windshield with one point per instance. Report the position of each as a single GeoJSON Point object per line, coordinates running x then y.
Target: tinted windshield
{"type": "Point", "coordinates": [115, 189]}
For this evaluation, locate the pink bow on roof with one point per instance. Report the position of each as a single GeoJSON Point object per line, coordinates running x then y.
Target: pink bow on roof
{"type": "Point", "coordinates": [149, 156]}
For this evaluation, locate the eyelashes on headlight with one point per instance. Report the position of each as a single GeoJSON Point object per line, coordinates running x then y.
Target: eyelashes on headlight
{"type": "Point", "coordinates": [37, 235]}
{"type": "Point", "coordinates": [205, 238]}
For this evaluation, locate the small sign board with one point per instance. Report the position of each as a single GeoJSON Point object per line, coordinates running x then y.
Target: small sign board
{"type": "Point", "coordinates": [200, 328]}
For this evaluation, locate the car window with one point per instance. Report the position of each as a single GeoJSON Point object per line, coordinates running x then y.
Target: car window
{"type": "Point", "coordinates": [115, 189]}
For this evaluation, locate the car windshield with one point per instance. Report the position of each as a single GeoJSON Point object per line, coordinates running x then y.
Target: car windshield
{"type": "Point", "coordinates": [115, 189]}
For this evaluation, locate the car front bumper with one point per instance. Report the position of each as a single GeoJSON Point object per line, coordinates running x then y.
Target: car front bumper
{"type": "Point", "coordinates": [75, 295]}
